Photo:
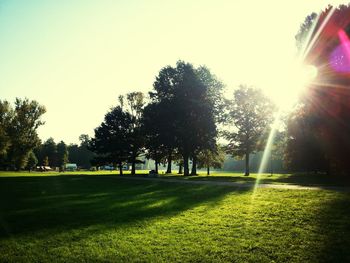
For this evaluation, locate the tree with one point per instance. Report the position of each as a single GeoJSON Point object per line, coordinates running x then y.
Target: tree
{"type": "Point", "coordinates": [214, 93]}
{"type": "Point", "coordinates": [324, 108]}
{"type": "Point", "coordinates": [23, 131]}
{"type": "Point", "coordinates": [32, 161]}
{"type": "Point", "coordinates": [135, 139]}
{"type": "Point", "coordinates": [195, 127]}
{"type": "Point", "coordinates": [6, 115]}
{"type": "Point", "coordinates": [62, 155]}
{"type": "Point", "coordinates": [188, 119]}
{"type": "Point", "coordinates": [153, 132]}
{"type": "Point", "coordinates": [211, 158]}
{"type": "Point", "coordinates": [163, 111]}
{"type": "Point", "coordinates": [112, 138]}
{"type": "Point", "coordinates": [304, 148]}
{"type": "Point", "coordinates": [80, 154]}
{"type": "Point", "coordinates": [251, 114]}
{"type": "Point", "coordinates": [46, 161]}
{"type": "Point", "coordinates": [47, 153]}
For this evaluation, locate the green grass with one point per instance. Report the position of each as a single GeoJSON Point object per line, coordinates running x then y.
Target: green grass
{"type": "Point", "coordinates": [80, 218]}
{"type": "Point", "coordinates": [224, 176]}
{"type": "Point", "coordinates": [295, 179]}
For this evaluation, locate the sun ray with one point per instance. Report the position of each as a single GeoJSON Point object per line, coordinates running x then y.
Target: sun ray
{"type": "Point", "coordinates": [315, 37]}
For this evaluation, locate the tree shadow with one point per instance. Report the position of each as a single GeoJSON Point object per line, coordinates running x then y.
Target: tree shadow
{"type": "Point", "coordinates": [334, 228]}
{"type": "Point", "coordinates": [30, 204]}
{"type": "Point", "coordinates": [302, 179]}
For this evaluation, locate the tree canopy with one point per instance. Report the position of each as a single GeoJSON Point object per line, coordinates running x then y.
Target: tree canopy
{"type": "Point", "coordinates": [323, 40]}
{"type": "Point", "coordinates": [18, 131]}
{"type": "Point", "coordinates": [251, 114]}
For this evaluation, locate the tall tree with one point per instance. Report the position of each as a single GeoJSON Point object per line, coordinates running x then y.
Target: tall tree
{"type": "Point", "coordinates": [184, 109]}
{"type": "Point", "coordinates": [134, 107]}
{"type": "Point", "coordinates": [304, 148]}
{"type": "Point", "coordinates": [23, 130]}
{"type": "Point", "coordinates": [111, 141]}
{"type": "Point", "coordinates": [164, 111]}
{"type": "Point", "coordinates": [323, 41]}
{"type": "Point", "coordinates": [251, 113]}
{"type": "Point", "coordinates": [153, 132]}
{"type": "Point", "coordinates": [6, 115]}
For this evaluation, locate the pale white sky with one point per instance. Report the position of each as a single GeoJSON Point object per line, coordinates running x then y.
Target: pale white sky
{"type": "Point", "coordinates": [76, 57]}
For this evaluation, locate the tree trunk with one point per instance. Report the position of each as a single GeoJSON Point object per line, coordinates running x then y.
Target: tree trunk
{"type": "Point", "coordinates": [247, 164]}
{"type": "Point", "coordinates": [208, 171]}
{"type": "Point", "coordinates": [168, 170]}
{"type": "Point", "coordinates": [186, 169]}
{"type": "Point", "coordinates": [156, 166]}
{"type": "Point", "coordinates": [180, 169]}
{"type": "Point", "coordinates": [120, 169]}
{"type": "Point", "coordinates": [194, 165]}
{"type": "Point", "coordinates": [133, 167]}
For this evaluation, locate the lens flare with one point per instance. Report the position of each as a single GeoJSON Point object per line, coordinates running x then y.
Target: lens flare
{"type": "Point", "coordinates": [340, 57]}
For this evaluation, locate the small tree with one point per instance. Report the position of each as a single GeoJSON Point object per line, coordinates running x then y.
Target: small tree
{"type": "Point", "coordinates": [251, 114]}
{"type": "Point", "coordinates": [48, 150]}
{"type": "Point", "coordinates": [62, 155]}
{"type": "Point", "coordinates": [215, 159]}
{"type": "Point", "coordinates": [32, 161]}
{"type": "Point", "coordinates": [46, 161]}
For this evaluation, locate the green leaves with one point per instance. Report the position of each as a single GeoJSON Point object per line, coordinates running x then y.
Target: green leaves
{"type": "Point", "coordinates": [18, 134]}
{"type": "Point", "coordinates": [251, 114]}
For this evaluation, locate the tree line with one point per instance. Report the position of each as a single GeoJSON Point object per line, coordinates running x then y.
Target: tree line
{"type": "Point", "coordinates": [21, 147]}
{"type": "Point", "coordinates": [181, 122]}
{"type": "Point", "coordinates": [53, 154]}
{"type": "Point", "coordinates": [183, 118]}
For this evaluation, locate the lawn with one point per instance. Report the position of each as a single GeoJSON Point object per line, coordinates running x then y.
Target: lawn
{"type": "Point", "coordinates": [81, 218]}
{"type": "Point", "coordinates": [222, 176]}
{"type": "Point", "coordinates": [294, 179]}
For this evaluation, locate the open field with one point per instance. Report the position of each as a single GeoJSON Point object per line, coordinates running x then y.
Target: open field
{"type": "Point", "coordinates": [92, 218]}
{"type": "Point", "coordinates": [224, 176]}
{"type": "Point", "coordinates": [295, 179]}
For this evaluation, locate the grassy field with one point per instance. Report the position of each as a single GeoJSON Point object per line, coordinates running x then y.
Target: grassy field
{"type": "Point", "coordinates": [81, 218]}
{"type": "Point", "coordinates": [295, 179]}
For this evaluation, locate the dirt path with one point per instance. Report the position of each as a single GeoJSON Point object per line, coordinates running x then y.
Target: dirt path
{"type": "Point", "coordinates": [241, 185]}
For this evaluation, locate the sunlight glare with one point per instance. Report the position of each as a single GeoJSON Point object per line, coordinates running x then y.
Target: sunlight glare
{"type": "Point", "coordinates": [293, 84]}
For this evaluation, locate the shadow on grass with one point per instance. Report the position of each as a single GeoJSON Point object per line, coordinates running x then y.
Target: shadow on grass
{"type": "Point", "coordinates": [301, 179]}
{"type": "Point", "coordinates": [334, 225]}
{"type": "Point", "coordinates": [29, 204]}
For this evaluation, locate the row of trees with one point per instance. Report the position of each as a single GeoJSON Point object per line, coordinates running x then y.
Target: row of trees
{"type": "Point", "coordinates": [180, 122]}
{"type": "Point", "coordinates": [186, 108]}
{"type": "Point", "coordinates": [21, 147]}
{"type": "Point", "coordinates": [58, 155]}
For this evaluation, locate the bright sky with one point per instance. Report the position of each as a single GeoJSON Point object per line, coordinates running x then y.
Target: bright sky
{"type": "Point", "coordinates": [76, 57]}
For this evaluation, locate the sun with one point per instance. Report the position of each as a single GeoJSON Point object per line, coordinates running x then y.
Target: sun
{"type": "Point", "coordinates": [288, 88]}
